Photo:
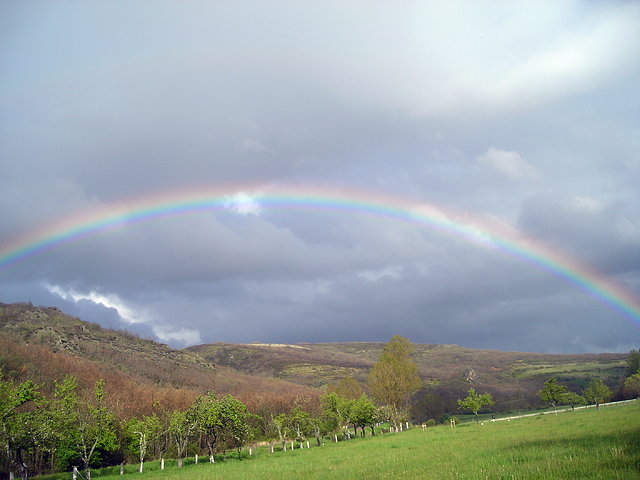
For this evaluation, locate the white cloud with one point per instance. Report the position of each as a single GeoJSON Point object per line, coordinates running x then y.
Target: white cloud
{"type": "Point", "coordinates": [586, 203]}
{"type": "Point", "coordinates": [508, 163]}
{"type": "Point", "coordinates": [127, 313]}
{"type": "Point", "coordinates": [254, 146]}
{"type": "Point", "coordinates": [184, 336]}
{"type": "Point", "coordinates": [243, 203]}
{"type": "Point", "coordinates": [384, 273]}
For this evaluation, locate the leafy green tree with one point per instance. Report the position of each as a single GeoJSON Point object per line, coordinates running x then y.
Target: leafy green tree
{"type": "Point", "coordinates": [597, 392]}
{"type": "Point", "coordinates": [300, 423]}
{"type": "Point", "coordinates": [393, 379]}
{"type": "Point", "coordinates": [633, 362]}
{"type": "Point", "coordinates": [16, 431]}
{"type": "Point", "coordinates": [235, 416]}
{"type": "Point", "coordinates": [181, 428]}
{"type": "Point", "coordinates": [363, 414]}
{"type": "Point", "coordinates": [61, 423]}
{"type": "Point", "coordinates": [95, 427]}
{"type": "Point", "coordinates": [573, 399]}
{"type": "Point", "coordinates": [552, 392]}
{"type": "Point", "coordinates": [207, 411]}
{"type": "Point", "coordinates": [142, 433]}
{"type": "Point", "coordinates": [631, 386]}
{"type": "Point", "coordinates": [475, 402]}
{"type": "Point", "coordinates": [281, 425]}
{"type": "Point", "coordinates": [339, 410]}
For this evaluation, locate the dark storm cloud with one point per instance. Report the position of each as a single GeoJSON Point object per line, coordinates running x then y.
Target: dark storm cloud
{"type": "Point", "coordinates": [524, 114]}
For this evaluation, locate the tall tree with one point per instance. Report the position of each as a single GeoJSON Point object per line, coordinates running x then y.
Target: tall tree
{"type": "Point", "coordinates": [633, 362]}
{"type": "Point", "coordinates": [281, 425]}
{"type": "Point", "coordinates": [475, 402]}
{"type": "Point", "coordinates": [181, 427]}
{"type": "Point", "coordinates": [300, 423]}
{"type": "Point", "coordinates": [15, 424]}
{"type": "Point", "coordinates": [552, 392]}
{"type": "Point", "coordinates": [363, 414]}
{"type": "Point", "coordinates": [597, 392]}
{"type": "Point", "coordinates": [337, 411]}
{"type": "Point", "coordinates": [95, 427]}
{"type": "Point", "coordinates": [393, 379]}
{"type": "Point", "coordinates": [142, 433]}
{"type": "Point", "coordinates": [235, 422]}
{"type": "Point", "coordinates": [208, 420]}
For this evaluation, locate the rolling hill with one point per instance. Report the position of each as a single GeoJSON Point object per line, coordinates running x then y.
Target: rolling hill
{"type": "Point", "coordinates": [447, 370]}
{"type": "Point", "coordinates": [44, 344]}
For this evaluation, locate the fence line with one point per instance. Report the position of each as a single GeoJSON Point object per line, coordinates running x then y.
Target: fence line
{"type": "Point", "coordinates": [562, 410]}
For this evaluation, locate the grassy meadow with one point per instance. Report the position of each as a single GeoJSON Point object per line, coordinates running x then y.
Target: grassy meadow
{"type": "Point", "coordinates": [585, 444]}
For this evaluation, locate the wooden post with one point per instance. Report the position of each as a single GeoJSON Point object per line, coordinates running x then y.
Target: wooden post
{"type": "Point", "coordinates": [292, 447]}
{"type": "Point", "coordinates": [308, 444]}
{"type": "Point", "coordinates": [196, 458]}
{"type": "Point", "coordinates": [250, 451]}
{"type": "Point", "coordinates": [162, 463]}
{"type": "Point", "coordinates": [122, 468]}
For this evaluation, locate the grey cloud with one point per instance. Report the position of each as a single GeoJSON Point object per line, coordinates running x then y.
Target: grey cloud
{"type": "Point", "coordinates": [104, 105]}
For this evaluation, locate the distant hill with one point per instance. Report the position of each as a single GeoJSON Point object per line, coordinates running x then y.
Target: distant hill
{"type": "Point", "coordinates": [44, 344]}
{"type": "Point", "coordinates": [447, 370]}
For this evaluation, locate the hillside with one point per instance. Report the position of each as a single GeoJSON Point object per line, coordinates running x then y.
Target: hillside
{"type": "Point", "coordinates": [44, 344]}
{"type": "Point", "coordinates": [447, 370]}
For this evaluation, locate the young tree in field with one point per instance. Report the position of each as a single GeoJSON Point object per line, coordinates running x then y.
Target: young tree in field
{"type": "Point", "coordinates": [142, 433]}
{"type": "Point", "coordinates": [95, 427]}
{"type": "Point", "coordinates": [475, 402]}
{"type": "Point", "coordinates": [552, 392]}
{"type": "Point", "coordinates": [300, 423]}
{"type": "Point", "coordinates": [16, 434]}
{"type": "Point", "coordinates": [84, 426]}
{"type": "Point", "coordinates": [393, 380]}
{"type": "Point", "coordinates": [363, 414]}
{"type": "Point", "coordinates": [207, 412]}
{"type": "Point", "coordinates": [573, 399]}
{"type": "Point", "coordinates": [339, 409]}
{"type": "Point", "coordinates": [281, 424]}
{"type": "Point", "coordinates": [236, 429]}
{"type": "Point", "coordinates": [597, 392]}
{"type": "Point", "coordinates": [181, 427]}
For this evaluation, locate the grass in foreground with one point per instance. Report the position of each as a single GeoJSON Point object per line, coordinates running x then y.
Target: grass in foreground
{"type": "Point", "coordinates": [584, 444]}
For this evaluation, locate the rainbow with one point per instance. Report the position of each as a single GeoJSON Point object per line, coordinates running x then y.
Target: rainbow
{"type": "Point", "coordinates": [485, 231]}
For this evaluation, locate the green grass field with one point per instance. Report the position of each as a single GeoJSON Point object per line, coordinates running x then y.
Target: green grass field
{"type": "Point", "coordinates": [585, 444]}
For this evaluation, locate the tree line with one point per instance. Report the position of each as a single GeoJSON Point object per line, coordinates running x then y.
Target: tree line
{"type": "Point", "coordinates": [68, 428]}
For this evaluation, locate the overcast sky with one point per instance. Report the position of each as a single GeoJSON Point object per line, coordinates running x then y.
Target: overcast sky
{"type": "Point", "coordinates": [523, 112]}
